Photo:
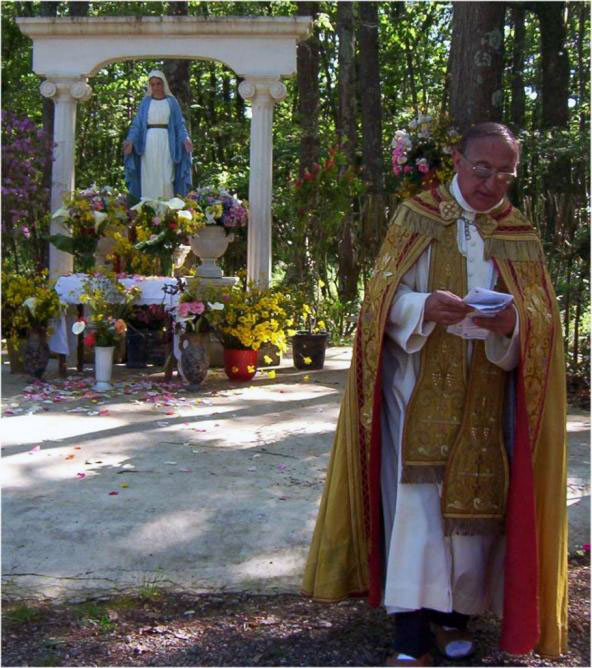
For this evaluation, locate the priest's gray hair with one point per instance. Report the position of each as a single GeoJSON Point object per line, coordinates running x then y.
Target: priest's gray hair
{"type": "Point", "coordinates": [482, 130]}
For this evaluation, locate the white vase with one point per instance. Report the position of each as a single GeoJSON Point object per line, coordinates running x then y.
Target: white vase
{"type": "Point", "coordinates": [209, 244]}
{"type": "Point", "coordinates": [103, 368]}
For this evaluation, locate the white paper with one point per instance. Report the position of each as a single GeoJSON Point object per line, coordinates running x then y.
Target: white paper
{"type": "Point", "coordinates": [485, 304]}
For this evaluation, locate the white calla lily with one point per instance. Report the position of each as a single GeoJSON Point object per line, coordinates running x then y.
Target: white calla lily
{"type": "Point", "coordinates": [61, 212]}
{"type": "Point", "coordinates": [216, 306]}
{"type": "Point", "coordinates": [184, 214]}
{"type": "Point", "coordinates": [30, 303]}
{"type": "Point", "coordinates": [78, 327]}
{"type": "Point", "coordinates": [99, 217]}
{"type": "Point", "coordinates": [175, 203]}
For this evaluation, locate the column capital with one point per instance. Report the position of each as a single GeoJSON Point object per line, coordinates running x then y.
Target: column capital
{"type": "Point", "coordinates": [76, 89]}
{"type": "Point", "coordinates": [271, 88]}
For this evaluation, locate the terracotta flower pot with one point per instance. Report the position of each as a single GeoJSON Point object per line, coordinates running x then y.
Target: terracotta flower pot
{"type": "Point", "coordinates": [240, 364]}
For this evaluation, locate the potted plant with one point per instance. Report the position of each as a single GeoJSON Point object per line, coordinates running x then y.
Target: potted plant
{"type": "Point", "coordinates": [109, 302]}
{"type": "Point", "coordinates": [250, 318]}
{"type": "Point", "coordinates": [39, 307]}
{"type": "Point", "coordinates": [15, 323]}
{"type": "Point", "coordinates": [191, 317]}
{"type": "Point", "coordinates": [164, 225]}
{"type": "Point", "coordinates": [223, 213]}
{"type": "Point", "coordinates": [309, 342]}
{"type": "Point", "coordinates": [90, 216]}
{"type": "Point", "coordinates": [146, 336]}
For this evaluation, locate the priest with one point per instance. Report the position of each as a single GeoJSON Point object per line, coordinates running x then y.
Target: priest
{"type": "Point", "coordinates": [446, 489]}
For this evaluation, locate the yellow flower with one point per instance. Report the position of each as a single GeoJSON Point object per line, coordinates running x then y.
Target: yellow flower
{"type": "Point", "coordinates": [306, 378]}
{"type": "Point", "coordinates": [250, 368]}
{"type": "Point", "coordinates": [267, 359]}
{"type": "Point", "coordinates": [307, 360]}
{"type": "Point", "coordinates": [271, 374]}
{"type": "Point", "coordinates": [234, 369]}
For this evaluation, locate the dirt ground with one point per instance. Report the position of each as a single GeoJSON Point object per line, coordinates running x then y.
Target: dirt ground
{"type": "Point", "coordinates": [157, 628]}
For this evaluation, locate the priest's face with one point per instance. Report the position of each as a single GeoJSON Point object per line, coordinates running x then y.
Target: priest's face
{"type": "Point", "coordinates": [485, 171]}
{"type": "Point", "coordinates": [156, 88]}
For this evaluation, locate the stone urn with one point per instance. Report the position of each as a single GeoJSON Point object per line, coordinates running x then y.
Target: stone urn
{"type": "Point", "coordinates": [209, 244]}
{"type": "Point", "coordinates": [195, 358]}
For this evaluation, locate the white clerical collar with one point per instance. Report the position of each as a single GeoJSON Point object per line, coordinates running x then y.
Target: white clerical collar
{"type": "Point", "coordinates": [458, 196]}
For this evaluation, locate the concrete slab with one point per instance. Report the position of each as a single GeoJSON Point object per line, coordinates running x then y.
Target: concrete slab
{"type": "Point", "coordinates": [150, 486]}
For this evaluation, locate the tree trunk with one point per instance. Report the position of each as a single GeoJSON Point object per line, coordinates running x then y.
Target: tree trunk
{"type": "Point", "coordinates": [476, 62]}
{"type": "Point", "coordinates": [373, 220]}
{"type": "Point", "coordinates": [517, 106]}
{"type": "Point", "coordinates": [347, 79]}
{"type": "Point", "coordinates": [348, 270]}
{"type": "Point", "coordinates": [308, 92]}
{"type": "Point", "coordinates": [177, 71]}
{"type": "Point", "coordinates": [555, 64]}
{"type": "Point", "coordinates": [583, 69]}
{"type": "Point", "coordinates": [78, 8]}
{"type": "Point", "coordinates": [372, 162]}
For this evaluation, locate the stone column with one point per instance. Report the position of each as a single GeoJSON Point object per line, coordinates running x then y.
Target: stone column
{"type": "Point", "coordinates": [263, 93]}
{"type": "Point", "coordinates": [65, 93]}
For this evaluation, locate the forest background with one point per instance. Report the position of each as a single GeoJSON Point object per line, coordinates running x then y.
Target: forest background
{"type": "Point", "coordinates": [368, 69]}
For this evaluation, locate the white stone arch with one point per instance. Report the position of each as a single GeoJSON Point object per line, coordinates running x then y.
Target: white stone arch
{"type": "Point", "coordinates": [261, 50]}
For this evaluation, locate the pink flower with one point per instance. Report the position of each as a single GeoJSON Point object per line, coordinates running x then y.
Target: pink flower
{"type": "Point", "coordinates": [26, 231]}
{"type": "Point", "coordinates": [184, 309]}
{"type": "Point", "coordinates": [196, 307]}
{"type": "Point", "coordinates": [407, 169]}
{"type": "Point", "coordinates": [120, 326]}
{"type": "Point", "coordinates": [156, 220]}
{"type": "Point", "coordinates": [422, 165]}
{"type": "Point", "coordinates": [397, 169]}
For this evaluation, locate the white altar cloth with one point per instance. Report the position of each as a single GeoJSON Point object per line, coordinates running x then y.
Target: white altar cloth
{"type": "Point", "coordinates": [69, 289]}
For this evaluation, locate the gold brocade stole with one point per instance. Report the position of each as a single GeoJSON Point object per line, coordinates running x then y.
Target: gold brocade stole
{"type": "Point", "coordinates": [453, 425]}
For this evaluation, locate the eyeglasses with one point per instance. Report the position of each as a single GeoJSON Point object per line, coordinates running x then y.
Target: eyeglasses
{"type": "Point", "coordinates": [485, 173]}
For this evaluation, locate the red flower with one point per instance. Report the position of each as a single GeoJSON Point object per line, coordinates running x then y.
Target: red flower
{"type": "Point", "coordinates": [89, 340]}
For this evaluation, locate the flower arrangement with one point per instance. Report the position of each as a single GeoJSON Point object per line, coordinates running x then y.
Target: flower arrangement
{"type": "Point", "coordinates": [28, 302]}
{"type": "Point", "coordinates": [88, 215]}
{"type": "Point", "coordinates": [309, 311]}
{"type": "Point", "coordinates": [220, 207]}
{"type": "Point", "coordinates": [163, 225]}
{"type": "Point", "coordinates": [251, 317]}
{"type": "Point", "coordinates": [422, 157]}
{"type": "Point", "coordinates": [132, 260]}
{"type": "Point", "coordinates": [110, 302]}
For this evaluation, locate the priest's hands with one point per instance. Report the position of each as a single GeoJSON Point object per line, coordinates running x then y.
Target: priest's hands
{"type": "Point", "coordinates": [188, 145]}
{"type": "Point", "coordinates": [503, 323]}
{"type": "Point", "coordinates": [127, 147]}
{"type": "Point", "coordinates": [444, 308]}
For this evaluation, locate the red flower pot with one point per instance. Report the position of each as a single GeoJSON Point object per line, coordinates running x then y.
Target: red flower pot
{"type": "Point", "coordinates": [240, 364]}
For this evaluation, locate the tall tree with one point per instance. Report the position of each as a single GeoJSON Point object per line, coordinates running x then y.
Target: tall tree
{"type": "Point", "coordinates": [373, 219]}
{"type": "Point", "coordinates": [555, 63]}
{"type": "Point", "coordinates": [177, 71]}
{"type": "Point", "coordinates": [307, 59]}
{"type": "Point", "coordinates": [348, 270]}
{"type": "Point", "coordinates": [476, 62]}
{"type": "Point", "coordinates": [518, 97]}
